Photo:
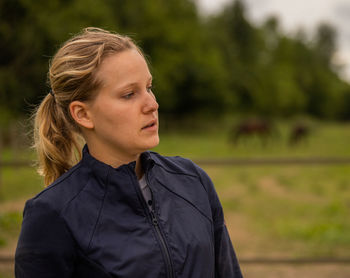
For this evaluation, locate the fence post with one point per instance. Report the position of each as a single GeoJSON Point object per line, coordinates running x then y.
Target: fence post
{"type": "Point", "coordinates": [14, 141]}
{"type": "Point", "coordinates": [1, 145]}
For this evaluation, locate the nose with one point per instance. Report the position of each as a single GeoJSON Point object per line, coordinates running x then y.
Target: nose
{"type": "Point", "coordinates": [150, 104]}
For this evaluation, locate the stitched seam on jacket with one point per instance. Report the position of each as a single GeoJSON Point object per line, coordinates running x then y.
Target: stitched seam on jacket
{"type": "Point", "coordinates": [54, 184]}
{"type": "Point", "coordinates": [202, 183]}
{"type": "Point", "coordinates": [68, 202]}
{"type": "Point", "coordinates": [187, 201]}
{"type": "Point", "coordinates": [198, 176]}
{"type": "Point", "coordinates": [75, 196]}
{"type": "Point", "coordinates": [100, 211]}
{"type": "Point", "coordinates": [173, 172]}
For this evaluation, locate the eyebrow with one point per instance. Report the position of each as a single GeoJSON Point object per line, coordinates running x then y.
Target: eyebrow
{"type": "Point", "coordinates": [150, 79]}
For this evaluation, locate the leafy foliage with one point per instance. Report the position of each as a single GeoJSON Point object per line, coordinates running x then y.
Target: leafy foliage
{"type": "Point", "coordinates": [202, 65]}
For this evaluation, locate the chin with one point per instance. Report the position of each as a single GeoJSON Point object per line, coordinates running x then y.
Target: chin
{"type": "Point", "coordinates": [153, 143]}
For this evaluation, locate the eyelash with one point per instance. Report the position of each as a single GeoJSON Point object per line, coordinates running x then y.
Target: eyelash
{"type": "Point", "coordinates": [130, 94]}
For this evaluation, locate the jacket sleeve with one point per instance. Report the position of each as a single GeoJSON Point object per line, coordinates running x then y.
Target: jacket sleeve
{"type": "Point", "coordinates": [45, 247]}
{"type": "Point", "coordinates": [226, 263]}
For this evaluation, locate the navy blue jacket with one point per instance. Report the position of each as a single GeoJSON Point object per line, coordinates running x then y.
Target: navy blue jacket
{"type": "Point", "coordinates": [94, 222]}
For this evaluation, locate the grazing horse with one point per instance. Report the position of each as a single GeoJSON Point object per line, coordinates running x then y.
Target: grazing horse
{"type": "Point", "coordinates": [251, 127]}
{"type": "Point", "coordinates": [298, 133]}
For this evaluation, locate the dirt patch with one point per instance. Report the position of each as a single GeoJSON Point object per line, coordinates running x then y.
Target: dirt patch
{"type": "Point", "coordinates": [12, 206]}
{"type": "Point", "coordinates": [246, 242]}
{"type": "Point", "coordinates": [233, 192]}
{"type": "Point", "coordinates": [11, 241]}
{"type": "Point", "coordinates": [262, 271]}
{"type": "Point", "coordinates": [273, 187]}
{"type": "Point", "coordinates": [9, 250]}
{"type": "Point", "coordinates": [292, 271]}
{"type": "Point", "coordinates": [7, 270]}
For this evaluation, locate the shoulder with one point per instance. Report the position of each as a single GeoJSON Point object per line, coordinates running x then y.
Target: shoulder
{"type": "Point", "coordinates": [182, 166]}
{"type": "Point", "coordinates": [62, 191]}
{"type": "Point", "coordinates": [175, 164]}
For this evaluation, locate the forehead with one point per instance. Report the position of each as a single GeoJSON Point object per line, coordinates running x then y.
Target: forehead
{"type": "Point", "coordinates": [122, 68]}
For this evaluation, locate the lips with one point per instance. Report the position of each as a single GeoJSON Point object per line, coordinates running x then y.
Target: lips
{"type": "Point", "coordinates": [150, 124]}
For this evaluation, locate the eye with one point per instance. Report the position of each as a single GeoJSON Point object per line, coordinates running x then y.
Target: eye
{"type": "Point", "coordinates": [128, 95]}
{"type": "Point", "coordinates": [149, 88]}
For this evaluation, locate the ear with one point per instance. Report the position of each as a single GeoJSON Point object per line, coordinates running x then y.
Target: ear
{"type": "Point", "coordinates": [81, 114]}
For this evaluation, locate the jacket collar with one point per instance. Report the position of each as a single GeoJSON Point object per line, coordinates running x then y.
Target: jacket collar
{"type": "Point", "coordinates": [102, 169]}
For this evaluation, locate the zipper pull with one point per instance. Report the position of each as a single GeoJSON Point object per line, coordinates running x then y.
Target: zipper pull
{"type": "Point", "coordinates": [154, 219]}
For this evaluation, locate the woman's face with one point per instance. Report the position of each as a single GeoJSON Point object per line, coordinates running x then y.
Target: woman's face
{"type": "Point", "coordinates": [125, 111]}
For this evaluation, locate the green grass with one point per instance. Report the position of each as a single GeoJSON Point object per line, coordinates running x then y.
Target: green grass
{"type": "Point", "coordinates": [10, 223]}
{"type": "Point", "coordinates": [7, 272]}
{"type": "Point", "coordinates": [294, 210]}
{"type": "Point", "coordinates": [24, 153]}
{"type": "Point", "coordinates": [307, 206]}
{"type": "Point", "coordinates": [325, 139]}
{"type": "Point", "coordinates": [19, 183]}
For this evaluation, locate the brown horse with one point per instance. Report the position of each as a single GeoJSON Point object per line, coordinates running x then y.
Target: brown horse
{"type": "Point", "coordinates": [259, 127]}
{"type": "Point", "coordinates": [298, 133]}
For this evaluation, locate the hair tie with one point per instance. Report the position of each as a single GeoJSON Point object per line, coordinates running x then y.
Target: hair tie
{"type": "Point", "coordinates": [51, 93]}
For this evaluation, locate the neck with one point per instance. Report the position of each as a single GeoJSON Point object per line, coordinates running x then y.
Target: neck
{"type": "Point", "coordinates": [116, 160]}
{"type": "Point", "coordinates": [138, 168]}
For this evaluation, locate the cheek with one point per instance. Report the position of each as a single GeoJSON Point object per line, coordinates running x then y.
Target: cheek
{"type": "Point", "coordinates": [116, 119]}
{"type": "Point", "coordinates": [123, 124]}
{"type": "Point", "coordinates": [107, 112]}
{"type": "Point", "coordinates": [106, 118]}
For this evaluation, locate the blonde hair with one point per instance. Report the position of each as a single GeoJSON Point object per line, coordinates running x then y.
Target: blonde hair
{"type": "Point", "coordinates": [72, 76]}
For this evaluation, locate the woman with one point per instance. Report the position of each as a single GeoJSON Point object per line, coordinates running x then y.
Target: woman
{"type": "Point", "coordinates": [121, 211]}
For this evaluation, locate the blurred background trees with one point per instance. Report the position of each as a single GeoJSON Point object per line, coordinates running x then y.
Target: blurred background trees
{"type": "Point", "coordinates": [202, 65]}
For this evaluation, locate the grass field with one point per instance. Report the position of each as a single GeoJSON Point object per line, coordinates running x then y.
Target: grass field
{"type": "Point", "coordinates": [292, 211]}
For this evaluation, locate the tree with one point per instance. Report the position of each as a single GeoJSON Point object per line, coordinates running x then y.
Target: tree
{"type": "Point", "coordinates": [325, 42]}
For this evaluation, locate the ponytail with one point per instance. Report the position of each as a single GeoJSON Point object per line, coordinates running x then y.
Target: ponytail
{"type": "Point", "coordinates": [57, 143]}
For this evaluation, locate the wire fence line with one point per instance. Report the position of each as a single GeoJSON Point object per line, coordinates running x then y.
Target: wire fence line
{"type": "Point", "coordinates": [246, 162]}
{"type": "Point", "coordinates": [279, 161]}
{"type": "Point", "coordinates": [256, 261]}
{"type": "Point", "coordinates": [295, 261]}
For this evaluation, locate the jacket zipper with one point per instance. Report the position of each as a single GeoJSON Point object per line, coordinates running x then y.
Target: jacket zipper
{"type": "Point", "coordinates": [163, 245]}
{"type": "Point", "coordinates": [161, 238]}
{"type": "Point", "coordinates": [155, 223]}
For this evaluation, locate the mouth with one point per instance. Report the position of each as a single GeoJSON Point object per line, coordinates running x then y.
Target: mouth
{"type": "Point", "coordinates": [150, 124]}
